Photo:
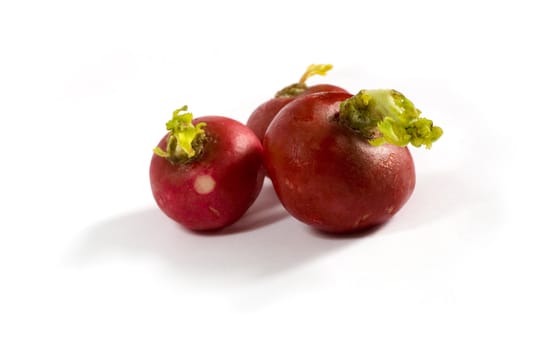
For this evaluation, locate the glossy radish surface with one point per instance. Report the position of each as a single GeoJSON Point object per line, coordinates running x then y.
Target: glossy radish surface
{"type": "Point", "coordinates": [209, 175]}
{"type": "Point", "coordinates": [263, 115]}
{"type": "Point", "coordinates": [332, 162]}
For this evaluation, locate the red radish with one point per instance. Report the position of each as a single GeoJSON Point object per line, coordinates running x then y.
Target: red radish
{"type": "Point", "coordinates": [339, 163]}
{"type": "Point", "coordinates": [205, 173]}
{"type": "Point", "coordinates": [262, 116]}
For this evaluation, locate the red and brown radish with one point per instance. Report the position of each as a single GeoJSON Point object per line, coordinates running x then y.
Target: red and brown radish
{"type": "Point", "coordinates": [340, 163]}
{"type": "Point", "coordinates": [263, 115]}
{"type": "Point", "coordinates": [205, 173]}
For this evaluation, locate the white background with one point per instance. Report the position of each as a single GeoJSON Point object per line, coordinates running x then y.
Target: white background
{"type": "Point", "coordinates": [87, 261]}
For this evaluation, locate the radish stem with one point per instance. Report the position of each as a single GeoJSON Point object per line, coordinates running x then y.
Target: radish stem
{"type": "Point", "coordinates": [301, 86]}
{"type": "Point", "coordinates": [387, 116]}
{"type": "Point", "coordinates": [185, 140]}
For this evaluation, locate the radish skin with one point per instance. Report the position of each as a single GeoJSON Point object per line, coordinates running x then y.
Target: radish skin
{"type": "Point", "coordinates": [216, 186]}
{"type": "Point", "coordinates": [263, 115]}
{"type": "Point", "coordinates": [331, 166]}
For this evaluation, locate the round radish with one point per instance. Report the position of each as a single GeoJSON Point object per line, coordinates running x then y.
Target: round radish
{"type": "Point", "coordinates": [262, 116]}
{"type": "Point", "coordinates": [339, 163]}
{"type": "Point", "coordinates": [205, 173]}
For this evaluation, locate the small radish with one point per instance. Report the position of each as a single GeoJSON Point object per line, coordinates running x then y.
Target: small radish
{"type": "Point", "coordinates": [205, 173]}
{"type": "Point", "coordinates": [262, 116]}
{"type": "Point", "coordinates": [339, 163]}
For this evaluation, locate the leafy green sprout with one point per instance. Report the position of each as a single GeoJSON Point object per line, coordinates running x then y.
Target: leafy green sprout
{"type": "Point", "coordinates": [185, 139]}
{"type": "Point", "coordinates": [300, 87]}
{"type": "Point", "coordinates": [387, 116]}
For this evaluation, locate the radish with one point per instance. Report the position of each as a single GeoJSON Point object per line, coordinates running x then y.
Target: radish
{"type": "Point", "coordinates": [205, 173]}
{"type": "Point", "coordinates": [262, 116]}
{"type": "Point", "coordinates": [340, 163]}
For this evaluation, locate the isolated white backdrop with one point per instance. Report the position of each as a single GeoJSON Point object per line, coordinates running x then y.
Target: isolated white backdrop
{"type": "Point", "coordinates": [87, 261]}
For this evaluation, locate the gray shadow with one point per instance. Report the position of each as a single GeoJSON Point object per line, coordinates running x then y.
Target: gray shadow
{"type": "Point", "coordinates": [266, 211]}
{"type": "Point", "coordinates": [265, 242]}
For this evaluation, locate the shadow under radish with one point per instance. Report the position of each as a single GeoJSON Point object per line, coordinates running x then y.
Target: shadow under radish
{"type": "Point", "coordinates": [264, 243]}
{"type": "Point", "coordinates": [265, 211]}
{"type": "Point", "coordinates": [357, 234]}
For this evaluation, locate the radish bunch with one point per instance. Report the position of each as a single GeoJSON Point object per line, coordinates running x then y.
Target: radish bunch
{"type": "Point", "coordinates": [338, 162]}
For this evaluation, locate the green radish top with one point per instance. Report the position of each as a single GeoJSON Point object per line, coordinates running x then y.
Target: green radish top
{"type": "Point", "coordinates": [301, 86]}
{"type": "Point", "coordinates": [387, 116]}
{"type": "Point", "coordinates": [185, 141]}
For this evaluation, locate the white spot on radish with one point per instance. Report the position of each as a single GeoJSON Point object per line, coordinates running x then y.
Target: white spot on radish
{"type": "Point", "coordinates": [204, 184]}
{"type": "Point", "coordinates": [289, 184]}
{"type": "Point", "coordinates": [361, 220]}
{"type": "Point", "coordinates": [241, 143]}
{"type": "Point", "coordinates": [215, 211]}
{"type": "Point", "coordinates": [390, 210]}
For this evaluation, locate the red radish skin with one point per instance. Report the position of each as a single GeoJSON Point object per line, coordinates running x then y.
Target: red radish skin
{"type": "Point", "coordinates": [263, 115]}
{"type": "Point", "coordinates": [328, 176]}
{"type": "Point", "coordinates": [216, 188]}
{"type": "Point", "coordinates": [322, 88]}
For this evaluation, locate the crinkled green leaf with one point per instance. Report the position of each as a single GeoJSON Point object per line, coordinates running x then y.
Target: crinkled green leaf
{"type": "Point", "coordinates": [183, 136]}
{"type": "Point", "coordinates": [388, 116]}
